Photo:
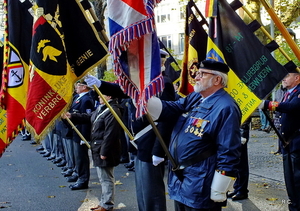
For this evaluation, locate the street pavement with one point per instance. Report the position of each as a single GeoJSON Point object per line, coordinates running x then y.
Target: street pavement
{"type": "Point", "coordinates": [29, 182]}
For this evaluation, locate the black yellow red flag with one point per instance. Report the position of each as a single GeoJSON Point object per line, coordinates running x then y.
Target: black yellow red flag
{"type": "Point", "coordinates": [254, 71]}
{"type": "Point", "coordinates": [65, 46]}
{"type": "Point", "coordinates": [195, 47]}
{"type": "Point", "coordinates": [15, 75]}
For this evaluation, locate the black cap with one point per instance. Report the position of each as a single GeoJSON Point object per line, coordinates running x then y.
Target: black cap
{"type": "Point", "coordinates": [294, 70]}
{"type": "Point", "coordinates": [214, 65]}
{"type": "Point", "coordinates": [81, 81]}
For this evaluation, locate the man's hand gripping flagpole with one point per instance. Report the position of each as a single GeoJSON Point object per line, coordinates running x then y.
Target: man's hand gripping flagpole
{"type": "Point", "coordinates": [77, 131]}
{"type": "Point", "coordinates": [95, 83]}
{"type": "Point", "coordinates": [154, 108]}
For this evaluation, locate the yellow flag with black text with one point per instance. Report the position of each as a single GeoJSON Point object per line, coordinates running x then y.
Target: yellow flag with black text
{"type": "Point", "coordinates": [254, 72]}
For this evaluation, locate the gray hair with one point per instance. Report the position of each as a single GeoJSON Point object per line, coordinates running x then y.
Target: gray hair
{"type": "Point", "coordinates": [223, 76]}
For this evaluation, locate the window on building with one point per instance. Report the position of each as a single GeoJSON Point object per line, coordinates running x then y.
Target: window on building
{"type": "Point", "coordinates": [166, 40]}
{"type": "Point", "coordinates": [163, 15]}
{"type": "Point", "coordinates": [181, 42]}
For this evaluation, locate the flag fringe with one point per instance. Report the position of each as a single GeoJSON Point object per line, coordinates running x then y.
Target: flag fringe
{"type": "Point", "coordinates": [120, 41]}
{"type": "Point", "coordinates": [132, 90]}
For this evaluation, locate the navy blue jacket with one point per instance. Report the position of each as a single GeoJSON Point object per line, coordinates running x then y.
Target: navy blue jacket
{"type": "Point", "coordinates": [212, 124]}
{"type": "Point", "coordinates": [84, 105]}
{"type": "Point", "coordinates": [289, 118]}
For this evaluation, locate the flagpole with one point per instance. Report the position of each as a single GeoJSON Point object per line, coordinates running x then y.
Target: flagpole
{"type": "Point", "coordinates": [282, 28]}
{"type": "Point", "coordinates": [113, 112]}
{"type": "Point", "coordinates": [199, 13]}
{"type": "Point", "coordinates": [102, 31]}
{"type": "Point", "coordinates": [160, 42]}
{"type": "Point", "coordinates": [78, 132]}
{"type": "Point", "coordinates": [162, 143]}
{"type": "Point", "coordinates": [269, 36]}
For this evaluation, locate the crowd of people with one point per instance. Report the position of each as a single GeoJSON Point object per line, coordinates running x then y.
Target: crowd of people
{"type": "Point", "coordinates": [205, 163]}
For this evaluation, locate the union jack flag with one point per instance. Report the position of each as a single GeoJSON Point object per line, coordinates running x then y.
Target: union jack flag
{"type": "Point", "coordinates": [135, 49]}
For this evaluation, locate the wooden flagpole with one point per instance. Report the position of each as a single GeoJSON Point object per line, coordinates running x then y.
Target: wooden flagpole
{"type": "Point", "coordinates": [147, 115]}
{"type": "Point", "coordinates": [78, 133]}
{"type": "Point", "coordinates": [282, 28]}
{"type": "Point", "coordinates": [113, 113]}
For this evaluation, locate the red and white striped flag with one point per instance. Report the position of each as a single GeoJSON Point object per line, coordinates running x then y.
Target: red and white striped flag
{"type": "Point", "coordinates": [135, 49]}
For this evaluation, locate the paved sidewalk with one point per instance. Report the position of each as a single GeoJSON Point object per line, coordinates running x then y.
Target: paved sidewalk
{"type": "Point", "coordinates": [31, 183]}
{"type": "Point", "coordinates": [266, 183]}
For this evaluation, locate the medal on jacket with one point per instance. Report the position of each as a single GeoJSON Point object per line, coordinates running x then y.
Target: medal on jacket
{"type": "Point", "coordinates": [196, 126]}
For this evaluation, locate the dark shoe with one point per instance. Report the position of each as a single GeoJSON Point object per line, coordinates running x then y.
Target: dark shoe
{"type": "Point", "coordinates": [79, 186]}
{"type": "Point", "coordinates": [26, 138]}
{"type": "Point", "coordinates": [129, 165]}
{"type": "Point", "coordinates": [67, 173]}
{"type": "Point", "coordinates": [51, 158]}
{"type": "Point", "coordinates": [239, 197]}
{"type": "Point", "coordinates": [47, 154]}
{"type": "Point", "coordinates": [124, 160]}
{"type": "Point", "coordinates": [230, 195]}
{"type": "Point", "coordinates": [260, 129]}
{"type": "Point", "coordinates": [94, 208]}
{"type": "Point", "coordinates": [57, 160]}
{"type": "Point", "coordinates": [65, 168]}
{"type": "Point", "coordinates": [101, 209]}
{"type": "Point", "coordinates": [61, 164]}
{"type": "Point", "coordinates": [72, 178]}
{"type": "Point", "coordinates": [33, 142]}
{"type": "Point", "coordinates": [42, 152]}
{"type": "Point", "coordinates": [277, 153]}
{"type": "Point", "coordinates": [39, 148]}
{"type": "Point", "coordinates": [132, 169]}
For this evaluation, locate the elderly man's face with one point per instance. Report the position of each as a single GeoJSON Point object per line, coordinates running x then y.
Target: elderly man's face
{"type": "Point", "coordinates": [204, 80]}
{"type": "Point", "coordinates": [291, 80]}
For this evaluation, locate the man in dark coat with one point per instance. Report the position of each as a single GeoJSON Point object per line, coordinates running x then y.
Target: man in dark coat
{"type": "Point", "coordinates": [289, 118]}
{"type": "Point", "coordinates": [83, 103]}
{"type": "Point", "coordinates": [105, 146]}
{"type": "Point", "coordinates": [149, 162]}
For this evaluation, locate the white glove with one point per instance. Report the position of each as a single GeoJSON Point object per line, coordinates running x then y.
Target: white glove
{"type": "Point", "coordinates": [243, 140]}
{"type": "Point", "coordinates": [154, 107]}
{"type": "Point", "coordinates": [156, 160]}
{"type": "Point", "coordinates": [92, 80]}
{"type": "Point", "coordinates": [261, 105]}
{"type": "Point", "coordinates": [219, 187]}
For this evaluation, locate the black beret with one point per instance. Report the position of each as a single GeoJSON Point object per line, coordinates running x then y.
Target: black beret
{"type": "Point", "coordinates": [81, 82]}
{"type": "Point", "coordinates": [294, 70]}
{"type": "Point", "coordinates": [214, 65]}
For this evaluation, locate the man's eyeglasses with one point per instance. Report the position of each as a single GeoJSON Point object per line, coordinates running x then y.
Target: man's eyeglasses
{"type": "Point", "coordinates": [201, 73]}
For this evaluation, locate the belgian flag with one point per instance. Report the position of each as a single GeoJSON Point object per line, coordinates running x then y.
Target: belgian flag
{"type": "Point", "coordinates": [195, 47]}
{"type": "Point", "coordinates": [15, 75]}
{"type": "Point", "coordinates": [65, 46]}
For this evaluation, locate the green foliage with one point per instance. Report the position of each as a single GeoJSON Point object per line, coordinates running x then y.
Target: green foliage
{"type": "Point", "coordinates": [109, 76]}
{"type": "Point", "coordinates": [281, 59]}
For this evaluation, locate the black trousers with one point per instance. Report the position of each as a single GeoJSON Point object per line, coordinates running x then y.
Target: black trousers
{"type": "Point", "coordinates": [241, 184]}
{"type": "Point", "coordinates": [291, 167]}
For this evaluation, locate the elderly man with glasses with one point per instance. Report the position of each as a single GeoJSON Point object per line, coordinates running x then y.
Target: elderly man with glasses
{"type": "Point", "coordinates": [205, 141]}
